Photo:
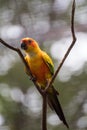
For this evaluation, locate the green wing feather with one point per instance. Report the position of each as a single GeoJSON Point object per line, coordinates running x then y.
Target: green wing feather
{"type": "Point", "coordinates": [48, 61]}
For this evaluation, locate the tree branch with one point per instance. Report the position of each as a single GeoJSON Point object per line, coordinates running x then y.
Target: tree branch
{"type": "Point", "coordinates": [22, 58]}
{"type": "Point", "coordinates": [44, 113]}
{"type": "Point", "coordinates": [69, 49]}
{"type": "Point", "coordinates": [43, 93]}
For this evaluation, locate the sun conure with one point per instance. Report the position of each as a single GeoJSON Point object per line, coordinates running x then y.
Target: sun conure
{"type": "Point", "coordinates": [42, 69]}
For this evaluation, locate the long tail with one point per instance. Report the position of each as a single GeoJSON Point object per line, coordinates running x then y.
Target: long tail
{"type": "Point", "coordinates": [55, 105]}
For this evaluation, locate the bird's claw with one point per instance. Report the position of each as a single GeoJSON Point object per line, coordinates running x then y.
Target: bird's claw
{"type": "Point", "coordinates": [44, 91]}
{"type": "Point", "coordinates": [33, 78]}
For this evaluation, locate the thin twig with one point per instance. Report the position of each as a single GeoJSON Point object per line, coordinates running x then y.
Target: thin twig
{"type": "Point", "coordinates": [7, 45]}
{"type": "Point", "coordinates": [44, 124]}
{"type": "Point", "coordinates": [25, 63]}
{"type": "Point", "coordinates": [59, 67]}
{"type": "Point", "coordinates": [69, 49]}
{"type": "Point", "coordinates": [44, 112]}
{"type": "Point", "coordinates": [44, 108]}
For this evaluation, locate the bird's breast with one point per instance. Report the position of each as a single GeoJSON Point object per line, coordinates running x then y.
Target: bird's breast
{"type": "Point", "coordinates": [40, 70]}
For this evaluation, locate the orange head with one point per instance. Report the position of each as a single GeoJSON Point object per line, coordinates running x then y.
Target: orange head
{"type": "Point", "coordinates": [29, 45]}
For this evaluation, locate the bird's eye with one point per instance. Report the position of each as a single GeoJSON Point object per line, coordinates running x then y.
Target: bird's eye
{"type": "Point", "coordinates": [29, 41]}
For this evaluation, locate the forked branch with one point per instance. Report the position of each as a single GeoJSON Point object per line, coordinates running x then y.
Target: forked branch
{"type": "Point", "coordinates": [44, 125]}
{"type": "Point", "coordinates": [70, 47]}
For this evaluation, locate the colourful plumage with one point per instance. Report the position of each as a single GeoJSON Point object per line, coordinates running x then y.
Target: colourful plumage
{"type": "Point", "coordinates": [42, 69]}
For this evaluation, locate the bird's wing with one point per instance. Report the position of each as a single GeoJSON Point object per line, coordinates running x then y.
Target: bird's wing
{"type": "Point", "coordinates": [48, 61]}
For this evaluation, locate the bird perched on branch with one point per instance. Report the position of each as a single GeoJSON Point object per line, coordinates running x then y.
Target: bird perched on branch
{"type": "Point", "coordinates": [42, 69]}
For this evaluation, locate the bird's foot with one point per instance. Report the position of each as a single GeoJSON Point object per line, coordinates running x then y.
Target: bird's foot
{"type": "Point", "coordinates": [33, 78]}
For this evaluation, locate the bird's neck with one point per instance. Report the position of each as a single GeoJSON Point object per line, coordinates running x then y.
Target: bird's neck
{"type": "Point", "coordinates": [34, 53]}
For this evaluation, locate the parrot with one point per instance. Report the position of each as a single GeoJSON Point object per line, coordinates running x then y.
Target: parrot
{"type": "Point", "coordinates": [42, 68]}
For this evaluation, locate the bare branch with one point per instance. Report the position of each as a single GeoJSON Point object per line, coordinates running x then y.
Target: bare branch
{"type": "Point", "coordinates": [43, 93]}
{"type": "Point", "coordinates": [69, 49]}
{"type": "Point", "coordinates": [7, 45]}
{"type": "Point", "coordinates": [25, 63]}
{"type": "Point", "coordinates": [44, 112]}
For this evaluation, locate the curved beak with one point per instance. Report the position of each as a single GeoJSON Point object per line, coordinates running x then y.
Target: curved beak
{"type": "Point", "coordinates": [23, 46]}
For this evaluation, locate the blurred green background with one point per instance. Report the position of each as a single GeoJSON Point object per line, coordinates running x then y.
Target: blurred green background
{"type": "Point", "coordinates": [48, 22]}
